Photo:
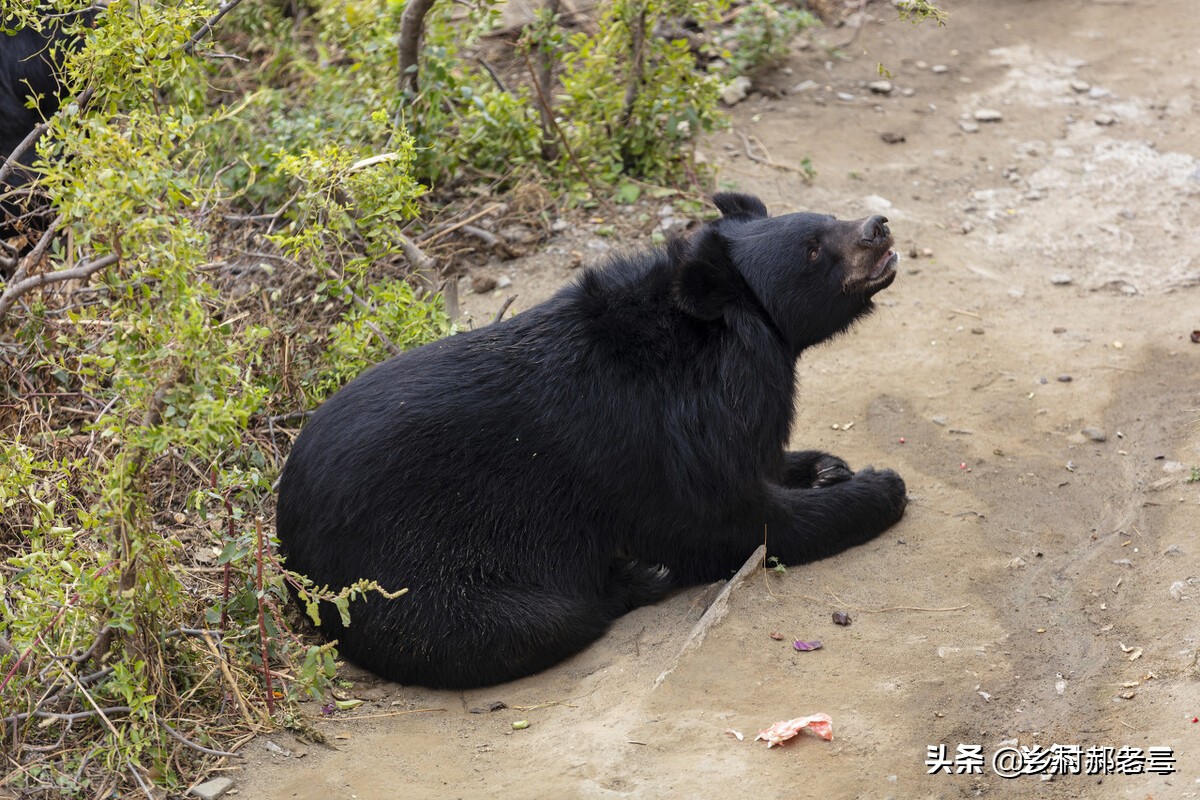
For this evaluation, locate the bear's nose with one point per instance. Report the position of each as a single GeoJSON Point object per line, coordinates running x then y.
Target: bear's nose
{"type": "Point", "coordinates": [874, 229]}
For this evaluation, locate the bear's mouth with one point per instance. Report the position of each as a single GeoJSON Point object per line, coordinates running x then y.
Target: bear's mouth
{"type": "Point", "coordinates": [881, 275]}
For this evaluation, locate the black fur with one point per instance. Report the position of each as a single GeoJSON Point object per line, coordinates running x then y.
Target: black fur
{"type": "Point", "coordinates": [30, 61]}
{"type": "Point", "coordinates": [529, 481]}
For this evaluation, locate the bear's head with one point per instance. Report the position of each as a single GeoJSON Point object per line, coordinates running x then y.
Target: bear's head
{"type": "Point", "coordinates": [810, 274]}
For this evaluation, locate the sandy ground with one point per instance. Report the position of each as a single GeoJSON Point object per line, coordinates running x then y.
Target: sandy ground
{"type": "Point", "coordinates": [1043, 587]}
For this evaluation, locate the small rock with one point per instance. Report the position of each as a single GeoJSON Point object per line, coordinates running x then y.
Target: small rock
{"type": "Point", "coordinates": [969, 127]}
{"type": "Point", "coordinates": [1105, 119]}
{"type": "Point", "coordinates": [482, 284]}
{"type": "Point", "coordinates": [978, 331]}
{"type": "Point", "coordinates": [1080, 86]}
{"type": "Point", "coordinates": [1123, 562]}
{"type": "Point", "coordinates": [803, 86]}
{"type": "Point", "coordinates": [938, 69]}
{"type": "Point", "coordinates": [845, 96]}
{"type": "Point", "coordinates": [1059, 329]}
{"type": "Point", "coordinates": [559, 225]}
{"type": "Point", "coordinates": [1016, 563]}
{"type": "Point", "coordinates": [841, 618]}
{"type": "Point", "coordinates": [1065, 379]}
{"type": "Point", "coordinates": [1061, 280]}
{"type": "Point", "coordinates": [876, 204]}
{"type": "Point", "coordinates": [927, 252]}
{"type": "Point", "coordinates": [736, 90]}
{"type": "Point", "coordinates": [880, 87]}
{"type": "Point", "coordinates": [1173, 466]}
{"type": "Point", "coordinates": [1094, 433]}
{"type": "Point", "coordinates": [908, 91]}
{"type": "Point", "coordinates": [1180, 590]}
{"type": "Point", "coordinates": [504, 282]}
{"type": "Point", "coordinates": [1096, 93]}
{"type": "Point", "coordinates": [938, 420]}
{"type": "Point", "coordinates": [988, 115]}
{"type": "Point", "coordinates": [968, 226]}
{"type": "Point", "coordinates": [211, 790]}
{"type": "Point", "coordinates": [892, 138]}
{"type": "Point", "coordinates": [921, 65]}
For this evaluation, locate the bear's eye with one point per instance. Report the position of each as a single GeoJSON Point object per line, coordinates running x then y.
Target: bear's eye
{"type": "Point", "coordinates": [814, 252]}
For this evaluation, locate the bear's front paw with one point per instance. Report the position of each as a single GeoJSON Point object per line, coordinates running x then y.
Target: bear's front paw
{"type": "Point", "coordinates": [830, 470]}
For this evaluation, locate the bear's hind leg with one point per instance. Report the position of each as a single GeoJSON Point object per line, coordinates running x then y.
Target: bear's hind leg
{"type": "Point", "coordinates": [633, 584]}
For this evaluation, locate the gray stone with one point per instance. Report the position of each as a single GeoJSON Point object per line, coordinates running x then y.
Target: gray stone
{"type": "Point", "coordinates": [1094, 433]}
{"type": "Point", "coordinates": [1105, 119]}
{"type": "Point", "coordinates": [211, 790]}
{"type": "Point", "coordinates": [939, 69]}
{"type": "Point", "coordinates": [845, 96]}
{"type": "Point", "coordinates": [1061, 280]}
{"type": "Point", "coordinates": [1080, 86]}
{"type": "Point", "coordinates": [880, 87]}
{"type": "Point", "coordinates": [988, 115]}
{"type": "Point", "coordinates": [803, 86]}
{"type": "Point", "coordinates": [969, 127]}
{"type": "Point", "coordinates": [736, 90]}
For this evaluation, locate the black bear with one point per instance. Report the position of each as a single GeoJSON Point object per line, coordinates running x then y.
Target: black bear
{"type": "Point", "coordinates": [30, 61]}
{"type": "Point", "coordinates": [531, 481]}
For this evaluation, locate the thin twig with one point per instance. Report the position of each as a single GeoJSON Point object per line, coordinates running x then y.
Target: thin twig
{"type": "Point", "coordinates": [379, 716]}
{"type": "Point", "coordinates": [189, 46]}
{"type": "Point", "coordinates": [35, 255]}
{"type": "Point", "coordinates": [179, 737]}
{"type": "Point", "coordinates": [767, 161]}
{"type": "Point", "coordinates": [430, 238]}
{"type": "Point", "coordinates": [504, 307]}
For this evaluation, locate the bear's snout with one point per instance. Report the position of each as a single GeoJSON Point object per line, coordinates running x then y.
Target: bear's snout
{"type": "Point", "coordinates": [875, 230]}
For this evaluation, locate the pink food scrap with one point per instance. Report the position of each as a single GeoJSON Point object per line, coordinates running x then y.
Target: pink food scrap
{"type": "Point", "coordinates": [818, 724]}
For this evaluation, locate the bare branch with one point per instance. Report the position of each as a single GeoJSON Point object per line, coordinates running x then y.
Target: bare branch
{"type": "Point", "coordinates": [189, 46]}
{"type": "Point", "coordinates": [179, 737]}
{"type": "Point", "coordinates": [75, 717]}
{"type": "Point", "coordinates": [35, 255]}
{"type": "Point", "coordinates": [16, 290]}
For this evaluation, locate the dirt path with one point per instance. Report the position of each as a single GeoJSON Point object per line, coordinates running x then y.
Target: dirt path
{"type": "Point", "coordinates": [1053, 553]}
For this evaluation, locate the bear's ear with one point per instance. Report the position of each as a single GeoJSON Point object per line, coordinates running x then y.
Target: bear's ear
{"type": "Point", "coordinates": [736, 204]}
{"type": "Point", "coordinates": [705, 279]}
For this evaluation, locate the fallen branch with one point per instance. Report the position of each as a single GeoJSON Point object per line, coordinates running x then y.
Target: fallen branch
{"type": "Point", "coordinates": [179, 737]}
{"type": "Point", "coordinates": [35, 255]}
{"type": "Point", "coordinates": [716, 612]}
{"type": "Point", "coordinates": [16, 290]}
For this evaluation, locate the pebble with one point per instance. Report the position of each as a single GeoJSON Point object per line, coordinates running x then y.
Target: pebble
{"type": "Point", "coordinates": [969, 127]}
{"type": "Point", "coordinates": [876, 204]}
{"type": "Point", "coordinates": [921, 65]}
{"type": "Point", "coordinates": [482, 284]}
{"type": "Point", "coordinates": [1061, 280]}
{"type": "Point", "coordinates": [736, 90]}
{"type": "Point", "coordinates": [938, 420]}
{"type": "Point", "coordinates": [211, 790]}
{"type": "Point", "coordinates": [1080, 86]}
{"type": "Point", "coordinates": [1096, 93]}
{"type": "Point", "coordinates": [938, 69]}
{"type": "Point", "coordinates": [559, 225]}
{"type": "Point", "coordinates": [880, 87]}
{"type": "Point", "coordinates": [1065, 379]}
{"type": "Point", "coordinates": [803, 86]}
{"type": "Point", "coordinates": [988, 115]}
{"type": "Point", "coordinates": [1094, 433]}
{"type": "Point", "coordinates": [504, 282]}
{"type": "Point", "coordinates": [1105, 119]}
{"type": "Point", "coordinates": [845, 96]}
{"type": "Point", "coordinates": [908, 91]}
{"type": "Point", "coordinates": [1059, 329]}
{"type": "Point", "coordinates": [968, 226]}
{"type": "Point", "coordinates": [977, 331]}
